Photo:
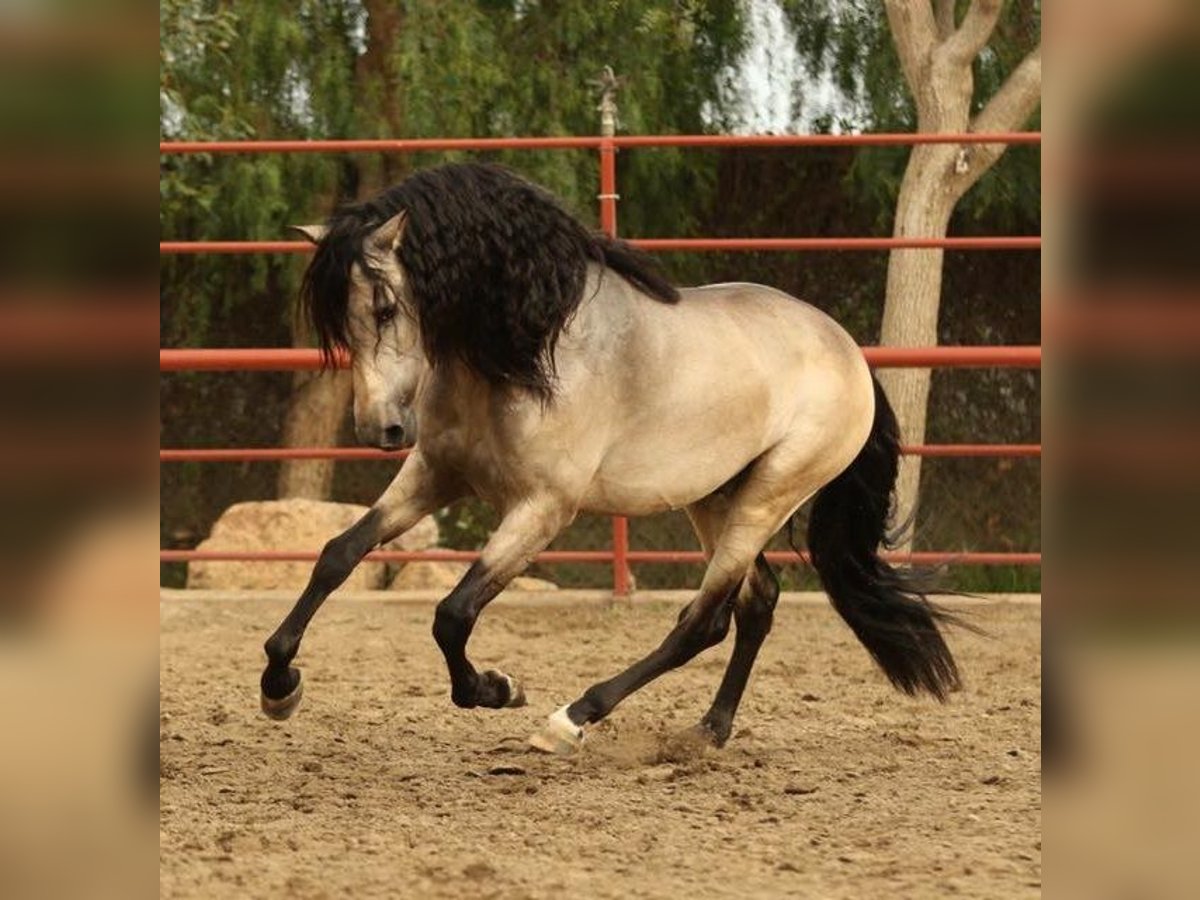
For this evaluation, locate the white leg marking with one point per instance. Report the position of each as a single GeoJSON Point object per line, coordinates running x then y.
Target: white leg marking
{"type": "Point", "coordinates": [559, 735]}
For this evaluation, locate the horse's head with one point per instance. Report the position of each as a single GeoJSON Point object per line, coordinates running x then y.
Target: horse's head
{"type": "Point", "coordinates": [358, 300]}
{"type": "Point", "coordinates": [464, 265]}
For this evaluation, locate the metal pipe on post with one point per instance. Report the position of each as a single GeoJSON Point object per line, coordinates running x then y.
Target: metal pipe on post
{"type": "Point", "coordinates": [608, 197]}
{"type": "Point", "coordinates": [608, 151]}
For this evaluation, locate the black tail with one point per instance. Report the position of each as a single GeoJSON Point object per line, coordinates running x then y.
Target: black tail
{"type": "Point", "coordinates": [882, 605]}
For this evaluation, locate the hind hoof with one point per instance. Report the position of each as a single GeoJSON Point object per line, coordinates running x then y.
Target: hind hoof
{"type": "Point", "coordinates": [715, 734]}
{"type": "Point", "coordinates": [559, 735]}
{"type": "Point", "coordinates": [284, 707]}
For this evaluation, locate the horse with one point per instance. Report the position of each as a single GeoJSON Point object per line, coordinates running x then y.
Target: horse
{"type": "Point", "coordinates": [550, 370]}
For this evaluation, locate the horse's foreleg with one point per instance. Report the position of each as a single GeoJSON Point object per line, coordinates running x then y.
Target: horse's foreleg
{"type": "Point", "coordinates": [524, 532]}
{"type": "Point", "coordinates": [411, 496]}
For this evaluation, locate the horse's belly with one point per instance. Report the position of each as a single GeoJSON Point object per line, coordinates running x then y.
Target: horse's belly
{"type": "Point", "coordinates": [685, 438]}
{"type": "Point", "coordinates": [642, 478]}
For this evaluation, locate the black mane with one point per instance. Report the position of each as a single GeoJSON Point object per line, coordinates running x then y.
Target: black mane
{"type": "Point", "coordinates": [496, 267]}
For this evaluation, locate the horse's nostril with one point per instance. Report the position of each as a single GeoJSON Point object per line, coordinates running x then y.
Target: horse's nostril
{"type": "Point", "coordinates": [393, 437]}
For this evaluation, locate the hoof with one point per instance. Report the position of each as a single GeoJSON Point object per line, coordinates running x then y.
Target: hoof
{"type": "Point", "coordinates": [283, 708]}
{"type": "Point", "coordinates": [707, 733]}
{"type": "Point", "coordinates": [516, 692]}
{"type": "Point", "coordinates": [499, 691]}
{"type": "Point", "coordinates": [559, 735]}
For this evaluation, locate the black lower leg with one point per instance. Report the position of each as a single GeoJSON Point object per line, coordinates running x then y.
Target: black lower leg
{"type": "Point", "coordinates": [703, 624]}
{"type": "Point", "coordinates": [753, 616]}
{"type": "Point", "coordinates": [337, 561]}
{"type": "Point", "coordinates": [452, 624]}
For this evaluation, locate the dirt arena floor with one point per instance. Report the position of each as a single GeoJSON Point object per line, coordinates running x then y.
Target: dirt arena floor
{"type": "Point", "coordinates": [833, 786]}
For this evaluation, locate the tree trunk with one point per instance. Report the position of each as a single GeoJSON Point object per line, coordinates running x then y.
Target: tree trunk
{"type": "Point", "coordinates": [937, 53]}
{"type": "Point", "coordinates": [377, 77]}
{"type": "Point", "coordinates": [314, 419]}
{"type": "Point", "coordinates": [319, 401]}
{"type": "Point", "coordinates": [910, 312]}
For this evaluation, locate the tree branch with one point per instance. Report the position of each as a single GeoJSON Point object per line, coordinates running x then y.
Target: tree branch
{"type": "Point", "coordinates": [976, 28]}
{"type": "Point", "coordinates": [915, 34]}
{"type": "Point", "coordinates": [1018, 97]}
{"type": "Point", "coordinates": [943, 13]}
{"type": "Point", "coordinates": [1009, 109]}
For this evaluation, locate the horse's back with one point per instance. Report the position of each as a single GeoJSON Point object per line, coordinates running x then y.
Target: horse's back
{"type": "Point", "coordinates": [767, 310]}
{"type": "Point", "coordinates": [785, 339]}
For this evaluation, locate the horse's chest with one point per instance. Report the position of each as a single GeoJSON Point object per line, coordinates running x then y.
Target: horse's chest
{"type": "Point", "coordinates": [477, 459]}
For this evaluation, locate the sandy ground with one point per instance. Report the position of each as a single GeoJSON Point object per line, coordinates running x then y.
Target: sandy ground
{"type": "Point", "coordinates": [833, 786]}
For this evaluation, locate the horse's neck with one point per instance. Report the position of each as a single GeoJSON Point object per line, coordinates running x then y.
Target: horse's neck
{"type": "Point", "coordinates": [453, 392]}
{"type": "Point", "coordinates": [593, 346]}
{"type": "Point", "coordinates": [604, 317]}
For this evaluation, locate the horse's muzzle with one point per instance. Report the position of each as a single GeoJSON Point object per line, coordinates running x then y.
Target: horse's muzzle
{"type": "Point", "coordinates": [392, 438]}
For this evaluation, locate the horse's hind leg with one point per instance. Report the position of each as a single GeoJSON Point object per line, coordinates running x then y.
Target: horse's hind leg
{"type": "Point", "coordinates": [525, 531]}
{"type": "Point", "coordinates": [412, 495]}
{"type": "Point", "coordinates": [753, 612]}
{"type": "Point", "coordinates": [703, 623]}
{"type": "Point", "coordinates": [772, 491]}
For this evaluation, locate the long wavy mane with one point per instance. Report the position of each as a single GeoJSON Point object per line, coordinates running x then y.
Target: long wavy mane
{"type": "Point", "coordinates": [495, 265]}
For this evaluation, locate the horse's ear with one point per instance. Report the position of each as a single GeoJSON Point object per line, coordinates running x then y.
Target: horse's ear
{"type": "Point", "coordinates": [387, 236]}
{"type": "Point", "coordinates": [312, 233]}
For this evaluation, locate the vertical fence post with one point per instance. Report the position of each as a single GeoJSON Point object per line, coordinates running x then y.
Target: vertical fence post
{"type": "Point", "coordinates": [608, 222]}
{"type": "Point", "coordinates": [608, 152]}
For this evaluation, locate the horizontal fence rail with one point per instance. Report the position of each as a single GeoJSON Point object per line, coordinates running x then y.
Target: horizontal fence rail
{"type": "Point", "coordinates": [666, 245]}
{"type": "Point", "coordinates": [294, 359]}
{"type": "Point", "coordinates": [590, 142]}
{"type": "Point", "coordinates": [275, 454]}
{"type": "Point", "coordinates": [783, 557]}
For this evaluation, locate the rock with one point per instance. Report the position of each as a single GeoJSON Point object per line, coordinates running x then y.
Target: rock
{"type": "Point", "coordinates": [429, 576]}
{"type": "Point", "coordinates": [527, 583]}
{"type": "Point", "coordinates": [441, 577]}
{"type": "Point", "coordinates": [422, 536]}
{"type": "Point", "coordinates": [293, 524]}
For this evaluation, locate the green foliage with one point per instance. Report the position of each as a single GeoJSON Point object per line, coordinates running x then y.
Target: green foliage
{"type": "Point", "coordinates": [271, 68]}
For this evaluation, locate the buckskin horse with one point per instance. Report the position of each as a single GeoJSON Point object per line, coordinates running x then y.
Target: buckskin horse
{"type": "Point", "coordinates": [551, 370]}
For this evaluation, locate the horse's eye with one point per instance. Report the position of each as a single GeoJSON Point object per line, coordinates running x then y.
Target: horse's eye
{"type": "Point", "coordinates": [385, 314]}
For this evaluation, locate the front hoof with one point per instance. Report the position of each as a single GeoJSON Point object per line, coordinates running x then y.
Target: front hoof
{"type": "Point", "coordinates": [282, 708]}
{"type": "Point", "coordinates": [516, 693]}
{"type": "Point", "coordinates": [559, 735]}
{"type": "Point", "coordinates": [500, 691]}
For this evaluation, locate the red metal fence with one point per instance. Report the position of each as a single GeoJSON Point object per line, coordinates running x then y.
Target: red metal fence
{"type": "Point", "coordinates": [620, 556]}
